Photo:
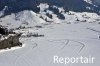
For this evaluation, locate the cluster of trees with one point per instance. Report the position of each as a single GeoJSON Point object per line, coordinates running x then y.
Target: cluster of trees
{"type": "Point", "coordinates": [56, 11]}
{"type": "Point", "coordinates": [3, 31]}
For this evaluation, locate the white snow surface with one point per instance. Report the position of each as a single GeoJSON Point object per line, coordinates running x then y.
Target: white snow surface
{"type": "Point", "coordinates": [2, 11]}
{"type": "Point", "coordinates": [66, 38]}
{"type": "Point", "coordinates": [24, 19]}
{"type": "Point", "coordinates": [43, 6]}
{"type": "Point", "coordinates": [82, 17]}
{"type": "Point", "coordinates": [88, 1]}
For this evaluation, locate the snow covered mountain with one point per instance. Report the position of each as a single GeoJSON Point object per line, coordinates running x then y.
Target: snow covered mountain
{"type": "Point", "coordinates": [15, 6]}
{"type": "Point", "coordinates": [67, 28]}
{"type": "Point", "coordinates": [25, 12]}
{"type": "Point", "coordinates": [77, 35]}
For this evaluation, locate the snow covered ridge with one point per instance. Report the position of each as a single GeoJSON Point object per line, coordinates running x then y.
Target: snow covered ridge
{"type": "Point", "coordinates": [30, 19]}
{"type": "Point", "coordinates": [92, 3]}
{"type": "Point", "coordinates": [82, 17]}
{"type": "Point", "coordinates": [88, 1]}
{"type": "Point", "coordinates": [75, 5]}
{"type": "Point", "coordinates": [21, 19]}
{"type": "Point", "coordinates": [3, 11]}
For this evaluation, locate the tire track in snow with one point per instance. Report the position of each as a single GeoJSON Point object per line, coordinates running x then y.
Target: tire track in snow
{"type": "Point", "coordinates": [65, 44]}
{"type": "Point", "coordinates": [62, 42]}
{"type": "Point", "coordinates": [82, 45]}
{"type": "Point", "coordinates": [68, 40]}
{"type": "Point", "coordinates": [23, 55]}
{"type": "Point", "coordinates": [93, 30]}
{"type": "Point", "coordinates": [29, 62]}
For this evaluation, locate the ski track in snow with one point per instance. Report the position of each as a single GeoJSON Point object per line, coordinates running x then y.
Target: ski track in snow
{"type": "Point", "coordinates": [68, 40]}
{"type": "Point", "coordinates": [94, 30]}
{"type": "Point", "coordinates": [23, 55]}
{"type": "Point", "coordinates": [64, 46]}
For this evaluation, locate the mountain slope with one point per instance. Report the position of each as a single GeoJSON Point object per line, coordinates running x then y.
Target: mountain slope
{"type": "Point", "coordinates": [15, 6]}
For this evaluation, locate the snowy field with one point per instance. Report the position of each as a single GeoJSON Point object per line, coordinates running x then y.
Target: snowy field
{"type": "Point", "coordinates": [64, 39]}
